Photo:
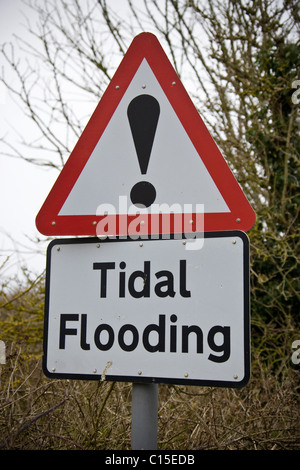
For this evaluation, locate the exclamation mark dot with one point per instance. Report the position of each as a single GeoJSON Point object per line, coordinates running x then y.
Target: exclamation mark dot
{"type": "Point", "coordinates": [143, 114]}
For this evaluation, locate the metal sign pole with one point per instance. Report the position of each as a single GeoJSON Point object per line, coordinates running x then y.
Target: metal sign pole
{"type": "Point", "coordinates": [144, 416]}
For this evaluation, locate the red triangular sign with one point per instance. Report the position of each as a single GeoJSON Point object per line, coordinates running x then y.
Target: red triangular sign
{"type": "Point", "coordinates": [145, 150]}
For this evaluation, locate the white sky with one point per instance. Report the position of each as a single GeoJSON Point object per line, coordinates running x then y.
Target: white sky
{"type": "Point", "coordinates": [23, 187]}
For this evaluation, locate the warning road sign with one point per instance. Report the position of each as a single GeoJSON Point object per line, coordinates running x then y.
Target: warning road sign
{"type": "Point", "coordinates": [145, 147]}
{"type": "Point", "coordinates": [149, 312]}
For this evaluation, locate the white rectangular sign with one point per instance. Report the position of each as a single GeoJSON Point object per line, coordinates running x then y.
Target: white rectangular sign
{"type": "Point", "coordinates": [164, 311]}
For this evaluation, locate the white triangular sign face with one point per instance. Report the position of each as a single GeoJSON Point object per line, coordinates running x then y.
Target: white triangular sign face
{"type": "Point", "coordinates": [175, 170]}
{"type": "Point", "coordinates": [145, 146]}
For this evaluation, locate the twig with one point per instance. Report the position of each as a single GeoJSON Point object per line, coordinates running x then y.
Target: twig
{"type": "Point", "coordinates": [64, 439]}
{"type": "Point", "coordinates": [29, 423]}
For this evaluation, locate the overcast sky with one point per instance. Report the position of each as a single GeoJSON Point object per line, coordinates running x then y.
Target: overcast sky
{"type": "Point", "coordinates": [24, 187]}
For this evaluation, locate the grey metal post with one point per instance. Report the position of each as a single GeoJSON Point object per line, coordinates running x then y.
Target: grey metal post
{"type": "Point", "coordinates": [144, 417]}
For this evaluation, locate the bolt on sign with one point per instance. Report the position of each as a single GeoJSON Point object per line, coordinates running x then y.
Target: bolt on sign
{"type": "Point", "coordinates": [149, 311]}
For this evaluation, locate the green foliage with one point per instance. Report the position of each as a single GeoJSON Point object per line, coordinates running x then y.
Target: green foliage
{"type": "Point", "coordinates": [254, 57]}
{"type": "Point", "coordinates": [22, 311]}
{"type": "Point", "coordinates": [274, 138]}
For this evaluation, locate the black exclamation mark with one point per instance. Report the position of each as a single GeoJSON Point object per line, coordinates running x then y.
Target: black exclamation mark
{"type": "Point", "coordinates": [143, 114]}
